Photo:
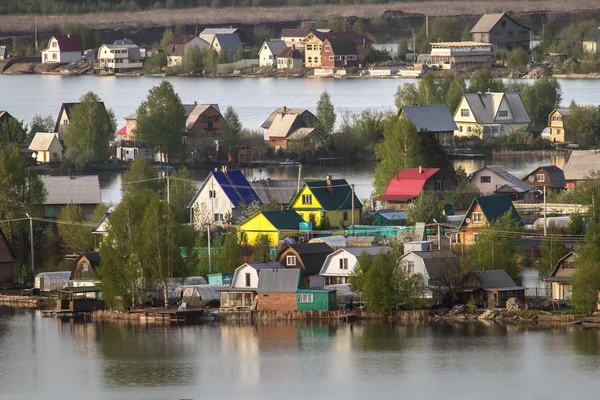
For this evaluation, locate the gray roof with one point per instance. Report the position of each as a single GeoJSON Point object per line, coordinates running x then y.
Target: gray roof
{"type": "Point", "coordinates": [133, 50]}
{"type": "Point", "coordinates": [343, 46]}
{"type": "Point", "coordinates": [515, 183]}
{"type": "Point", "coordinates": [279, 280]}
{"type": "Point", "coordinates": [229, 42]}
{"type": "Point", "coordinates": [276, 46]}
{"type": "Point", "coordinates": [438, 263]}
{"type": "Point", "coordinates": [433, 118]}
{"type": "Point", "coordinates": [280, 190]}
{"type": "Point", "coordinates": [581, 164]}
{"type": "Point", "coordinates": [563, 111]}
{"type": "Point", "coordinates": [495, 279]}
{"type": "Point", "coordinates": [265, 265]}
{"type": "Point", "coordinates": [271, 117]}
{"type": "Point", "coordinates": [370, 250]}
{"type": "Point", "coordinates": [487, 22]}
{"type": "Point", "coordinates": [72, 189]}
{"type": "Point", "coordinates": [484, 107]}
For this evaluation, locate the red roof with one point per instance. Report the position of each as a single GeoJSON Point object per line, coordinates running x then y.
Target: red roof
{"type": "Point", "coordinates": [68, 43]}
{"type": "Point", "coordinates": [122, 131]}
{"type": "Point", "coordinates": [407, 184]}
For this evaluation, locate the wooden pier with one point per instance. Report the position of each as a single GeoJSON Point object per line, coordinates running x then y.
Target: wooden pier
{"type": "Point", "coordinates": [66, 314]}
{"type": "Point", "coordinates": [173, 316]}
{"type": "Point", "coordinates": [22, 301]}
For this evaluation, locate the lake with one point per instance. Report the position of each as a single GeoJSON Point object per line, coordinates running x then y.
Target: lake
{"type": "Point", "coordinates": [43, 358]}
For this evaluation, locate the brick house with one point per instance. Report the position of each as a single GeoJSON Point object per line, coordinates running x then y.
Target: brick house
{"type": "Point", "coordinates": [339, 53]}
{"type": "Point", "coordinates": [277, 289]}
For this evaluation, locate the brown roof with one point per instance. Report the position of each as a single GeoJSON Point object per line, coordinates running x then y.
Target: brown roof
{"type": "Point", "coordinates": [357, 38]}
{"type": "Point", "coordinates": [269, 120]}
{"type": "Point", "coordinates": [182, 39]}
{"type": "Point", "coordinates": [68, 43]}
{"type": "Point", "coordinates": [289, 52]}
{"type": "Point", "coordinates": [294, 32]}
{"type": "Point", "coordinates": [487, 22]}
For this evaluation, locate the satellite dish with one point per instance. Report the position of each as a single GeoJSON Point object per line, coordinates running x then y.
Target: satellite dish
{"type": "Point", "coordinates": [531, 178]}
{"type": "Point", "coordinates": [468, 220]}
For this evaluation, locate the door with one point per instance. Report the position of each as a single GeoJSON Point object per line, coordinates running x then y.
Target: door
{"type": "Point", "coordinates": [135, 153]}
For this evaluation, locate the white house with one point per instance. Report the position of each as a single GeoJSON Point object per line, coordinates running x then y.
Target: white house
{"type": "Point", "coordinates": [129, 150]}
{"type": "Point", "coordinates": [120, 57]}
{"type": "Point", "coordinates": [494, 180]}
{"type": "Point", "coordinates": [290, 58]}
{"type": "Point", "coordinates": [224, 193]}
{"type": "Point", "coordinates": [269, 52]}
{"type": "Point", "coordinates": [338, 266]}
{"type": "Point", "coordinates": [246, 276]}
{"type": "Point", "coordinates": [47, 146]}
{"type": "Point", "coordinates": [63, 49]}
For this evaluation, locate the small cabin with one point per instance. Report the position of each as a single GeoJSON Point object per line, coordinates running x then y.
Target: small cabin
{"type": "Point", "coordinates": [316, 300]}
{"type": "Point", "coordinates": [83, 272]}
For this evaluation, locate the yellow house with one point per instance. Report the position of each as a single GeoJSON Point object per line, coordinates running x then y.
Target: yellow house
{"type": "Point", "coordinates": [556, 126]}
{"type": "Point", "coordinates": [276, 225]}
{"type": "Point", "coordinates": [312, 51]}
{"type": "Point", "coordinates": [328, 201]}
{"type": "Point", "coordinates": [490, 114]}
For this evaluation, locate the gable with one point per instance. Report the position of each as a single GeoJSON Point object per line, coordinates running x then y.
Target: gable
{"type": "Point", "coordinates": [464, 104]}
{"type": "Point", "coordinates": [297, 202]}
{"type": "Point", "coordinates": [202, 196]}
{"type": "Point", "coordinates": [492, 207]}
{"type": "Point", "coordinates": [331, 266]}
{"type": "Point", "coordinates": [257, 224]}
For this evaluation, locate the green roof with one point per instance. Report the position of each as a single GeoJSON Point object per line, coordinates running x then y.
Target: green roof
{"type": "Point", "coordinates": [340, 196]}
{"type": "Point", "coordinates": [284, 219]}
{"type": "Point", "coordinates": [495, 206]}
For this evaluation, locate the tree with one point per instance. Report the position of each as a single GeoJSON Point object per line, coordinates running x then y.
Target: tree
{"type": "Point", "coordinates": [89, 133]}
{"type": "Point", "coordinates": [161, 120]}
{"type": "Point", "coordinates": [406, 95]}
{"type": "Point", "coordinates": [325, 114]}
{"type": "Point", "coordinates": [586, 282]}
{"type": "Point", "coordinates": [517, 58]}
{"type": "Point", "coordinates": [553, 250]}
{"type": "Point", "coordinates": [457, 89]}
{"type": "Point", "coordinates": [427, 93]}
{"type": "Point", "coordinates": [193, 60]}
{"type": "Point", "coordinates": [261, 33]}
{"type": "Point", "coordinates": [576, 224]}
{"type": "Point", "coordinates": [156, 63]}
{"type": "Point", "coordinates": [359, 26]}
{"type": "Point", "coordinates": [167, 37]}
{"type": "Point", "coordinates": [461, 196]}
{"type": "Point", "coordinates": [182, 191]}
{"type": "Point", "coordinates": [540, 98]}
{"type": "Point", "coordinates": [262, 249]}
{"type": "Point", "coordinates": [229, 253]}
{"type": "Point", "coordinates": [402, 49]}
{"type": "Point", "coordinates": [398, 150]}
{"type": "Point", "coordinates": [426, 208]}
{"type": "Point", "coordinates": [583, 125]}
{"type": "Point", "coordinates": [239, 54]}
{"type": "Point", "coordinates": [495, 247]}
{"type": "Point", "coordinates": [40, 124]}
{"type": "Point", "coordinates": [482, 81]}
{"type": "Point", "coordinates": [232, 131]}
{"type": "Point", "coordinates": [13, 131]}
{"type": "Point", "coordinates": [140, 177]}
{"type": "Point", "coordinates": [75, 233]}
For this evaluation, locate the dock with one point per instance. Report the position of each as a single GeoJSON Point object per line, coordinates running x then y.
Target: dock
{"type": "Point", "coordinates": [173, 316]}
{"type": "Point", "coordinates": [22, 301]}
{"type": "Point", "coordinates": [66, 314]}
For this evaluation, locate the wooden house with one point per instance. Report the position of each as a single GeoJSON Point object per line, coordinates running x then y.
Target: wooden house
{"type": "Point", "coordinates": [494, 180]}
{"type": "Point", "coordinates": [277, 289]}
{"type": "Point", "coordinates": [550, 177]}
{"type": "Point", "coordinates": [484, 210]}
{"type": "Point", "coordinates": [409, 183]}
{"type": "Point", "coordinates": [307, 257]}
{"type": "Point", "coordinates": [47, 148]}
{"type": "Point", "coordinates": [339, 53]}
{"type": "Point", "coordinates": [286, 124]}
{"type": "Point", "coordinates": [276, 225]}
{"type": "Point", "coordinates": [561, 277]}
{"type": "Point", "coordinates": [269, 51]}
{"type": "Point", "coordinates": [294, 37]}
{"type": "Point", "coordinates": [316, 300]}
{"type": "Point", "coordinates": [581, 166]}
{"type": "Point", "coordinates": [84, 270]}
{"type": "Point", "coordinates": [501, 30]}
{"type": "Point", "coordinates": [556, 131]}
{"type": "Point", "coordinates": [328, 203]}
{"type": "Point", "coordinates": [432, 120]}
{"type": "Point", "coordinates": [491, 289]}
{"type": "Point", "coordinates": [7, 262]}
{"type": "Point", "coordinates": [314, 42]}
{"type": "Point", "coordinates": [62, 190]}
{"type": "Point", "coordinates": [63, 49]}
{"type": "Point", "coordinates": [290, 58]}
{"type": "Point", "coordinates": [244, 285]}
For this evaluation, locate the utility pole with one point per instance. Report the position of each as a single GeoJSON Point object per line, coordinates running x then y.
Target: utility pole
{"type": "Point", "coordinates": [414, 46]}
{"type": "Point", "coordinates": [209, 253]}
{"type": "Point", "coordinates": [352, 186]}
{"type": "Point", "coordinates": [545, 227]}
{"type": "Point", "coordinates": [439, 237]}
{"type": "Point", "coordinates": [168, 188]}
{"type": "Point", "coordinates": [299, 176]}
{"type": "Point", "coordinates": [427, 25]}
{"type": "Point", "coordinates": [31, 242]}
{"type": "Point", "coordinates": [36, 41]}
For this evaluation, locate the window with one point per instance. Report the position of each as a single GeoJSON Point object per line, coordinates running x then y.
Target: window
{"type": "Point", "coordinates": [540, 177]}
{"type": "Point", "coordinates": [343, 263]}
{"type": "Point", "coordinates": [309, 59]}
{"type": "Point", "coordinates": [464, 112]}
{"type": "Point", "coordinates": [336, 280]}
{"type": "Point", "coordinates": [305, 298]}
{"type": "Point", "coordinates": [410, 267]}
{"type": "Point", "coordinates": [477, 217]}
{"type": "Point", "coordinates": [54, 43]}
{"type": "Point", "coordinates": [439, 185]}
{"type": "Point", "coordinates": [270, 57]}
{"type": "Point", "coordinates": [290, 261]}
{"type": "Point", "coordinates": [568, 265]}
{"type": "Point", "coordinates": [327, 48]}
{"type": "Point", "coordinates": [345, 215]}
{"type": "Point", "coordinates": [468, 129]}
{"type": "Point", "coordinates": [309, 47]}
{"type": "Point", "coordinates": [54, 56]}
{"type": "Point", "coordinates": [331, 58]}
{"type": "Point", "coordinates": [476, 237]}
{"type": "Point", "coordinates": [460, 128]}
{"type": "Point", "coordinates": [456, 238]}
{"type": "Point", "coordinates": [503, 24]}
{"type": "Point", "coordinates": [503, 113]}
{"type": "Point", "coordinates": [485, 179]}
{"type": "Point", "coordinates": [212, 194]}
{"type": "Point", "coordinates": [247, 279]}
{"type": "Point", "coordinates": [351, 57]}
{"type": "Point", "coordinates": [307, 199]}
{"type": "Point", "coordinates": [219, 217]}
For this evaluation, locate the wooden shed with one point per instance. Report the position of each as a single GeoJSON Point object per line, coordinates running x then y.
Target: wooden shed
{"type": "Point", "coordinates": [316, 300]}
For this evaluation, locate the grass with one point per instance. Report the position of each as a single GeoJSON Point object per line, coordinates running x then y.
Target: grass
{"type": "Point", "coordinates": [250, 16]}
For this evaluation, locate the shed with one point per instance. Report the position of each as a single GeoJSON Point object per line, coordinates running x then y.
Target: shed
{"type": "Point", "coordinates": [201, 295]}
{"type": "Point", "coordinates": [84, 268]}
{"type": "Point", "coordinates": [195, 280]}
{"type": "Point", "coordinates": [63, 190]}
{"type": "Point", "coordinates": [277, 289]}
{"type": "Point", "coordinates": [220, 279]}
{"type": "Point", "coordinates": [316, 300]}
{"type": "Point", "coordinates": [51, 281]}
{"type": "Point", "coordinates": [335, 242]}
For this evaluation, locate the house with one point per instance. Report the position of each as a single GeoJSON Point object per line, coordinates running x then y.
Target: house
{"type": "Point", "coordinates": [339, 53]}
{"type": "Point", "coordinates": [328, 203]}
{"type": "Point", "coordinates": [84, 270]}
{"type": "Point", "coordinates": [289, 124]}
{"type": "Point", "coordinates": [408, 184]}
{"type": "Point", "coordinates": [491, 289]}
{"type": "Point", "coordinates": [591, 43]}
{"type": "Point", "coordinates": [484, 210]}
{"type": "Point", "coordinates": [294, 37]}
{"type": "Point", "coordinates": [388, 217]}
{"type": "Point", "coordinates": [281, 191]}
{"type": "Point", "coordinates": [495, 180]}
{"type": "Point", "coordinates": [64, 116]}
{"type": "Point", "coordinates": [556, 132]}
{"type": "Point", "coordinates": [47, 147]}
{"type": "Point", "coordinates": [490, 114]}
{"type": "Point", "coordinates": [4, 53]}
{"type": "Point", "coordinates": [63, 49]}
{"type": "Point", "coordinates": [460, 55]}
{"type": "Point", "coordinates": [5, 117]}
{"type": "Point", "coordinates": [90, 56]}
{"type": "Point", "coordinates": [289, 58]}
{"type": "Point", "coordinates": [502, 31]}
{"type": "Point", "coordinates": [62, 190]}
{"type": "Point", "coordinates": [100, 230]}
{"type": "Point", "coordinates": [120, 57]}
{"type": "Point", "coordinates": [339, 265]}
{"type": "Point", "coordinates": [208, 34]}
{"type": "Point", "coordinates": [129, 150]}
{"type": "Point", "coordinates": [246, 276]}
{"type": "Point", "coordinates": [561, 277]}
{"type": "Point", "coordinates": [550, 177]}
{"type": "Point", "coordinates": [307, 257]}
{"type": "Point", "coordinates": [313, 46]}
{"type": "Point", "coordinates": [432, 120]}
{"type": "Point", "coordinates": [276, 225]}
{"type": "Point", "coordinates": [7, 262]}
{"type": "Point", "coordinates": [581, 166]}
{"type": "Point", "coordinates": [177, 48]}
{"type": "Point", "coordinates": [269, 52]}
{"type": "Point", "coordinates": [277, 289]}
{"type": "Point", "coordinates": [228, 43]}
{"type": "Point", "coordinates": [316, 299]}
{"type": "Point", "coordinates": [223, 193]}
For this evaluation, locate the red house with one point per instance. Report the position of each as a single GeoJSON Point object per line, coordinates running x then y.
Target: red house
{"type": "Point", "coordinates": [408, 184]}
{"type": "Point", "coordinates": [339, 53]}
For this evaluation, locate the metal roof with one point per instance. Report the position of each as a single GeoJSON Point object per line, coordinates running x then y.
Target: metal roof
{"type": "Point", "coordinates": [433, 118]}
{"type": "Point", "coordinates": [338, 197]}
{"type": "Point", "coordinates": [235, 185]}
{"type": "Point", "coordinates": [278, 280]}
{"type": "Point", "coordinates": [263, 265]}
{"type": "Point", "coordinates": [271, 117]}
{"type": "Point", "coordinates": [370, 250]}
{"type": "Point", "coordinates": [284, 219]}
{"type": "Point", "coordinates": [581, 164]}
{"type": "Point", "coordinates": [495, 279]}
{"type": "Point", "coordinates": [294, 32]}
{"type": "Point", "coordinates": [42, 141]}
{"type": "Point", "coordinates": [493, 207]}
{"type": "Point", "coordinates": [282, 191]}
{"type": "Point", "coordinates": [335, 242]}
{"type": "Point", "coordinates": [342, 46]}
{"type": "Point", "coordinates": [517, 184]}
{"type": "Point", "coordinates": [437, 262]}
{"type": "Point", "coordinates": [460, 44]}
{"type": "Point", "coordinates": [72, 189]}
{"type": "Point", "coordinates": [556, 175]}
{"type": "Point", "coordinates": [275, 46]}
{"type": "Point", "coordinates": [484, 107]}
{"type": "Point", "coordinates": [487, 22]}
{"type": "Point", "coordinates": [229, 42]}
{"type": "Point", "coordinates": [407, 184]}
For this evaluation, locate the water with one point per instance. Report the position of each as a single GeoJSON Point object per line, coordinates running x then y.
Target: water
{"type": "Point", "coordinates": [44, 358]}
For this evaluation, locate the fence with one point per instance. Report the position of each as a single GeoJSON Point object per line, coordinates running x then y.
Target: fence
{"type": "Point", "coordinates": [231, 67]}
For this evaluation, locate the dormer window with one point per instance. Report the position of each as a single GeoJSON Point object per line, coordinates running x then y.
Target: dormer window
{"type": "Point", "coordinates": [503, 113]}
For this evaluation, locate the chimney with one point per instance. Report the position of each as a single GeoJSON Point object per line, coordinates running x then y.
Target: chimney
{"type": "Point", "coordinates": [284, 110]}
{"type": "Point", "coordinates": [329, 186]}
{"type": "Point", "coordinates": [420, 169]}
{"type": "Point", "coordinates": [268, 181]}
{"type": "Point", "coordinates": [195, 103]}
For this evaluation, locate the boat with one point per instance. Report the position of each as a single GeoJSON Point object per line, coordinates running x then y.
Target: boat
{"type": "Point", "coordinates": [289, 163]}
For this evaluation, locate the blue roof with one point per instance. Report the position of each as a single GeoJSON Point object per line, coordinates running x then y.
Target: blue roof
{"type": "Point", "coordinates": [236, 187]}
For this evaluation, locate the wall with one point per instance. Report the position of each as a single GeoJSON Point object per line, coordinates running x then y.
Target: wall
{"type": "Point", "coordinates": [266, 58]}
{"type": "Point", "coordinates": [220, 204]}
{"type": "Point", "coordinates": [557, 131]}
{"type": "Point", "coordinates": [277, 301]}
{"type": "Point", "coordinates": [331, 267]}
{"type": "Point", "coordinates": [239, 277]}
{"type": "Point", "coordinates": [312, 52]}
{"type": "Point", "coordinates": [403, 315]}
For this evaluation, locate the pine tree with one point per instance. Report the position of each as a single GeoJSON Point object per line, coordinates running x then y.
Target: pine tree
{"type": "Point", "coordinates": [325, 114]}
